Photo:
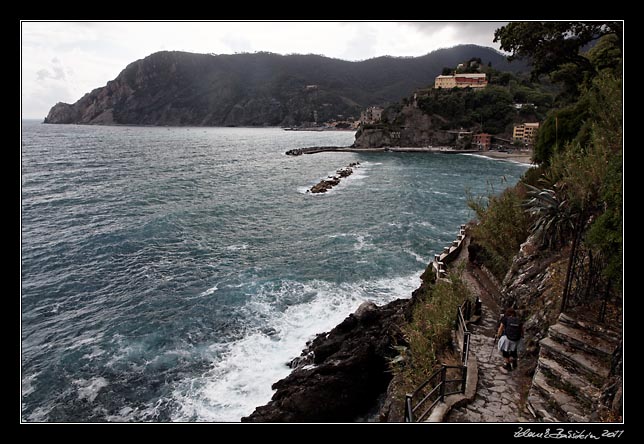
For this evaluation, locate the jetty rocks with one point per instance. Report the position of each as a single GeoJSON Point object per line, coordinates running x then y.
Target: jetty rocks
{"type": "Point", "coordinates": [326, 184]}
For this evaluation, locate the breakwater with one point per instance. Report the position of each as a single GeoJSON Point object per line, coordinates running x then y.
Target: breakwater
{"type": "Point", "coordinates": [348, 149]}
{"type": "Point", "coordinates": [326, 184]}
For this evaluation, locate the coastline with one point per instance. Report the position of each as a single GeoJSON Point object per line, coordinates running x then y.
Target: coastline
{"type": "Point", "coordinates": [524, 157]}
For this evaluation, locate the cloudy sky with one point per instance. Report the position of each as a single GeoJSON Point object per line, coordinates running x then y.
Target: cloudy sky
{"type": "Point", "coordinates": [61, 61]}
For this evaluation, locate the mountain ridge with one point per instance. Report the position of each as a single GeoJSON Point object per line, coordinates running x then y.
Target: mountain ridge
{"type": "Point", "coordinates": [258, 89]}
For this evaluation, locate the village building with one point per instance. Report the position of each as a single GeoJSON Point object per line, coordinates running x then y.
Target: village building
{"type": "Point", "coordinates": [372, 114]}
{"type": "Point", "coordinates": [473, 80]}
{"type": "Point", "coordinates": [482, 141]}
{"type": "Point", "coordinates": [525, 133]}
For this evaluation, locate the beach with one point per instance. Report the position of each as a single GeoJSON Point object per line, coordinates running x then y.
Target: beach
{"type": "Point", "coordinates": [517, 156]}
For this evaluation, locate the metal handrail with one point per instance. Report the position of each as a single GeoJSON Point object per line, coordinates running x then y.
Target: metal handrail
{"type": "Point", "coordinates": [462, 312]}
{"type": "Point", "coordinates": [410, 409]}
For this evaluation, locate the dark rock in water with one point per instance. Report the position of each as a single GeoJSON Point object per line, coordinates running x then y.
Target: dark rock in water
{"type": "Point", "coordinates": [350, 369]}
{"type": "Point", "coordinates": [326, 184]}
{"type": "Point", "coordinates": [345, 172]}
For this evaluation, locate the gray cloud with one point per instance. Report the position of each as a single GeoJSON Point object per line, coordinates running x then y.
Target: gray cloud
{"type": "Point", "coordinates": [57, 72]}
{"type": "Point", "coordinates": [480, 33]}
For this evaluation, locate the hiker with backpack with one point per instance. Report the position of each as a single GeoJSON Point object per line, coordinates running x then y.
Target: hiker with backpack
{"type": "Point", "coordinates": [510, 333]}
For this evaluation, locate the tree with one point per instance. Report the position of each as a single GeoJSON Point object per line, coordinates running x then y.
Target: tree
{"type": "Point", "coordinates": [555, 48]}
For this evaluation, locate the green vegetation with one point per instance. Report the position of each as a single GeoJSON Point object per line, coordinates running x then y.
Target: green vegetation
{"type": "Point", "coordinates": [575, 197]}
{"type": "Point", "coordinates": [490, 108]}
{"type": "Point", "coordinates": [428, 334]}
{"type": "Point", "coordinates": [503, 226]}
{"type": "Point", "coordinates": [555, 49]}
{"type": "Point", "coordinates": [180, 88]}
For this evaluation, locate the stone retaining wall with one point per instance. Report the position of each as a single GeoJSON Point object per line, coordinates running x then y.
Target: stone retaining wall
{"type": "Point", "coordinates": [448, 255]}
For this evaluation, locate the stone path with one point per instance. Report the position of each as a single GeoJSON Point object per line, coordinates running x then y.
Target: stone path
{"type": "Point", "coordinates": [498, 397]}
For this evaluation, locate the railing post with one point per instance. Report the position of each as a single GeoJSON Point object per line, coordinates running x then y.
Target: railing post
{"type": "Point", "coordinates": [464, 378]}
{"type": "Point", "coordinates": [466, 347]}
{"type": "Point", "coordinates": [443, 378]}
{"type": "Point", "coordinates": [409, 411]}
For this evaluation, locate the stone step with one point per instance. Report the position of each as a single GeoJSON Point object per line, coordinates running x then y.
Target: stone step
{"type": "Point", "coordinates": [595, 370]}
{"type": "Point", "coordinates": [611, 336]}
{"type": "Point", "coordinates": [581, 339]}
{"type": "Point", "coordinates": [538, 407]}
{"type": "Point", "coordinates": [563, 404]}
{"type": "Point", "coordinates": [569, 382]}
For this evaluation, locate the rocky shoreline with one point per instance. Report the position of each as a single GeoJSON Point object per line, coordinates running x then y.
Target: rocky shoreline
{"type": "Point", "coordinates": [341, 374]}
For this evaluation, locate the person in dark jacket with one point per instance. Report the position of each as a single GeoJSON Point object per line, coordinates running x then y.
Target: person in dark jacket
{"type": "Point", "coordinates": [510, 333]}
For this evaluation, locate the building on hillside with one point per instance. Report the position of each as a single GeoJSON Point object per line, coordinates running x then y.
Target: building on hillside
{"type": "Point", "coordinates": [445, 82]}
{"type": "Point", "coordinates": [473, 80]}
{"type": "Point", "coordinates": [525, 133]}
{"type": "Point", "coordinates": [371, 115]}
{"type": "Point", "coordinates": [482, 141]}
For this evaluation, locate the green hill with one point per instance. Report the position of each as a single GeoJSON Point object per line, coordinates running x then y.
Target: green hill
{"type": "Point", "coordinates": [180, 88]}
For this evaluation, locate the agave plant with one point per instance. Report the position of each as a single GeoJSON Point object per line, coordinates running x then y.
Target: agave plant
{"type": "Point", "coordinates": [556, 221]}
{"type": "Point", "coordinates": [554, 218]}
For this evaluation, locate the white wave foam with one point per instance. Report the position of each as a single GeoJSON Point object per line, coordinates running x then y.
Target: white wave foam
{"type": "Point", "coordinates": [361, 244]}
{"type": "Point", "coordinates": [418, 257]}
{"type": "Point", "coordinates": [96, 351]}
{"type": "Point", "coordinates": [241, 380]}
{"type": "Point", "coordinates": [237, 247]}
{"type": "Point", "coordinates": [27, 384]}
{"type": "Point", "coordinates": [210, 291]}
{"type": "Point", "coordinates": [89, 389]}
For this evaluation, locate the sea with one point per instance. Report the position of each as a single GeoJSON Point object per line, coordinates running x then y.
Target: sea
{"type": "Point", "coordinates": [170, 274]}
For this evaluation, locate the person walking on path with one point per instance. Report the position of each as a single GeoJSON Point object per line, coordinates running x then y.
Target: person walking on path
{"type": "Point", "coordinates": [509, 333]}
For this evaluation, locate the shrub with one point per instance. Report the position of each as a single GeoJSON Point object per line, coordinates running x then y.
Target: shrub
{"type": "Point", "coordinates": [428, 334]}
{"type": "Point", "coordinates": [503, 226]}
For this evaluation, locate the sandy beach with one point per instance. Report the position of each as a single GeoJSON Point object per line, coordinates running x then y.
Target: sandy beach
{"type": "Point", "coordinates": [523, 156]}
{"type": "Point", "coordinates": [517, 156]}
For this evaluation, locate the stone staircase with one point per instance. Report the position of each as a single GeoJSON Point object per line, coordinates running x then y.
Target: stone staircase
{"type": "Point", "coordinates": [574, 363]}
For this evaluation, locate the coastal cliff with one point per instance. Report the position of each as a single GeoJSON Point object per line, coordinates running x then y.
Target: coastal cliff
{"type": "Point", "coordinates": [416, 129]}
{"type": "Point", "coordinates": [258, 89]}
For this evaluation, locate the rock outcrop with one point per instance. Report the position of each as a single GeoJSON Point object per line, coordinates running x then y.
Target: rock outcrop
{"type": "Point", "coordinates": [414, 129]}
{"type": "Point", "coordinates": [341, 374]}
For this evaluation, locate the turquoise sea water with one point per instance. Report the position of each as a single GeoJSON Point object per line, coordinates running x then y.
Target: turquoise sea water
{"type": "Point", "coordinates": [168, 274]}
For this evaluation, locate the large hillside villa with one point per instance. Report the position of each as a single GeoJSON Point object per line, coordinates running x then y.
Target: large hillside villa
{"type": "Point", "coordinates": [473, 80]}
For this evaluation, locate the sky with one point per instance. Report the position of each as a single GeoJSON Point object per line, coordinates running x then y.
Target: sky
{"type": "Point", "coordinates": [62, 61]}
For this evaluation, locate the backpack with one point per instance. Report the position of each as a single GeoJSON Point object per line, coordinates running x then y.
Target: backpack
{"type": "Point", "coordinates": [513, 328]}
